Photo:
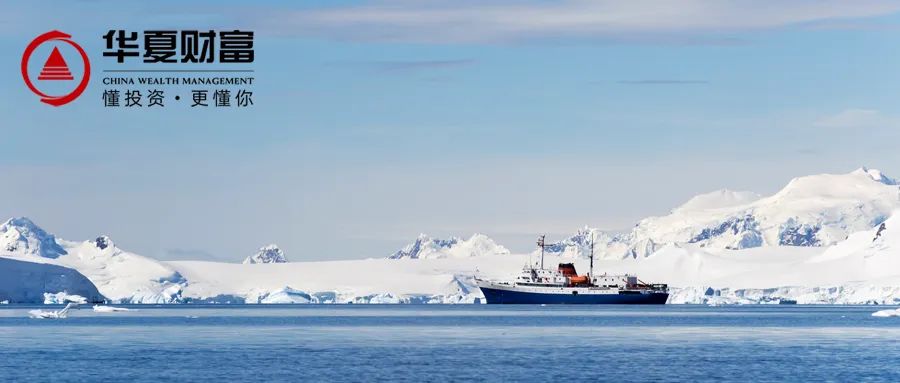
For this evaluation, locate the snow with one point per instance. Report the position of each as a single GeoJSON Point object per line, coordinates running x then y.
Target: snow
{"type": "Point", "coordinates": [63, 297]}
{"type": "Point", "coordinates": [119, 275]}
{"type": "Point", "coordinates": [861, 270]}
{"type": "Point", "coordinates": [697, 275]}
{"type": "Point", "coordinates": [345, 281]}
{"type": "Point", "coordinates": [718, 199]}
{"type": "Point", "coordinates": [877, 175]}
{"type": "Point", "coordinates": [22, 237]}
{"type": "Point", "coordinates": [379, 299]}
{"type": "Point", "coordinates": [122, 276]}
{"type": "Point", "coordinates": [578, 245]}
{"type": "Point", "coordinates": [425, 247]}
{"type": "Point", "coordinates": [819, 210]}
{"type": "Point", "coordinates": [812, 210]}
{"type": "Point", "coordinates": [285, 295]}
{"type": "Point", "coordinates": [267, 254]}
{"type": "Point", "coordinates": [887, 313]}
{"type": "Point", "coordinates": [858, 271]}
{"type": "Point", "coordinates": [50, 314]}
{"type": "Point", "coordinates": [26, 282]}
{"type": "Point", "coordinates": [821, 239]}
{"type": "Point", "coordinates": [850, 293]}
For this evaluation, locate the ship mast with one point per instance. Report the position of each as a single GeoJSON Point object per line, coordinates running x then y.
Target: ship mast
{"type": "Point", "coordinates": [591, 273]}
{"type": "Point", "coordinates": [541, 244]}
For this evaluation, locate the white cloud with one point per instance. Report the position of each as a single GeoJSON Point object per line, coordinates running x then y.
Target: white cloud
{"type": "Point", "coordinates": [490, 21]}
{"type": "Point", "coordinates": [858, 119]}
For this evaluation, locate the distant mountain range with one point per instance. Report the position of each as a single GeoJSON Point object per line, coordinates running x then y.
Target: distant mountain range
{"type": "Point", "coordinates": [425, 247]}
{"type": "Point", "coordinates": [818, 210]}
{"type": "Point", "coordinates": [119, 275]}
{"type": "Point", "coordinates": [836, 212]}
{"type": "Point", "coordinates": [267, 254]}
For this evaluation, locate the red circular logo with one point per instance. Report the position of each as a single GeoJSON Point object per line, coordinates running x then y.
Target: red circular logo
{"type": "Point", "coordinates": [55, 68]}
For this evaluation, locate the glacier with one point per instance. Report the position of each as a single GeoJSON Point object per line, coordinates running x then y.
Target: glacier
{"type": "Point", "coordinates": [283, 296]}
{"type": "Point", "coordinates": [120, 276]}
{"type": "Point", "coordinates": [29, 282]}
{"type": "Point", "coordinates": [830, 239]}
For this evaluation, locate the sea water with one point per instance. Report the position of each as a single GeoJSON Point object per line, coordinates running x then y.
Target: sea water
{"type": "Point", "coordinates": [420, 343]}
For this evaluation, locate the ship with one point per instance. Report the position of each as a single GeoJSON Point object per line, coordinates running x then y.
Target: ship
{"type": "Point", "coordinates": [539, 285]}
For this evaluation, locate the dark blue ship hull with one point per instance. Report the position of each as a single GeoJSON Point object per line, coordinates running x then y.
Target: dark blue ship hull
{"type": "Point", "coordinates": [499, 296]}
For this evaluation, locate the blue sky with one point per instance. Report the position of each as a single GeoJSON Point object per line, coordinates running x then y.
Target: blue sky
{"type": "Point", "coordinates": [375, 121]}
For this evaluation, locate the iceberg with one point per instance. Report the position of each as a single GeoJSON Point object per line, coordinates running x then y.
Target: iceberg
{"type": "Point", "coordinates": [285, 295]}
{"type": "Point", "coordinates": [50, 314]}
{"type": "Point", "coordinates": [379, 299]}
{"type": "Point", "coordinates": [109, 309]}
{"type": "Point", "coordinates": [828, 239]}
{"type": "Point", "coordinates": [887, 313]}
{"type": "Point", "coordinates": [63, 297]}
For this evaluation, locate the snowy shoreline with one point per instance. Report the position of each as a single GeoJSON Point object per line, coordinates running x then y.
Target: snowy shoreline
{"type": "Point", "coordinates": [823, 239]}
{"type": "Point", "coordinates": [857, 271]}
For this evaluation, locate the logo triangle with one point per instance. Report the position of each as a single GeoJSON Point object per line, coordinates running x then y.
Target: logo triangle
{"type": "Point", "coordinates": [55, 68]}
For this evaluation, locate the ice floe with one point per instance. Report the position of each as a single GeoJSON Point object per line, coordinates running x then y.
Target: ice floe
{"type": "Point", "coordinates": [51, 314]}
{"type": "Point", "coordinates": [887, 313]}
{"type": "Point", "coordinates": [109, 309]}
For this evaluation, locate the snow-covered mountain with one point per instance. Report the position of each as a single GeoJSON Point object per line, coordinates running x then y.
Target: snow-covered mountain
{"type": "Point", "coordinates": [864, 268]}
{"type": "Point", "coordinates": [266, 254]}
{"type": "Point", "coordinates": [869, 254]}
{"type": "Point", "coordinates": [426, 247]}
{"type": "Point", "coordinates": [119, 275]}
{"type": "Point", "coordinates": [22, 237]}
{"type": "Point", "coordinates": [821, 239]}
{"type": "Point", "coordinates": [818, 210]}
{"type": "Point", "coordinates": [579, 245]}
